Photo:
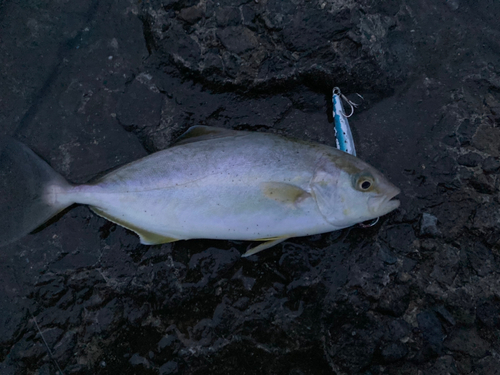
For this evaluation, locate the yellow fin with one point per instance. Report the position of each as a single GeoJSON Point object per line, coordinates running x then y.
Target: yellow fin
{"type": "Point", "coordinates": [283, 192]}
{"type": "Point", "coordinates": [146, 237]}
{"type": "Point", "coordinates": [268, 239]}
{"type": "Point", "coordinates": [264, 246]}
{"type": "Point", "coordinates": [200, 133]}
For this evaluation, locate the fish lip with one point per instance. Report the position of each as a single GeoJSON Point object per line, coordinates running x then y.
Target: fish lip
{"type": "Point", "coordinates": [384, 203]}
{"type": "Point", "coordinates": [394, 191]}
{"type": "Point", "coordinates": [392, 201]}
{"type": "Point", "coordinates": [392, 204]}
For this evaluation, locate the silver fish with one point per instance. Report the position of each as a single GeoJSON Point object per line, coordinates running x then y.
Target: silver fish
{"type": "Point", "coordinates": [213, 183]}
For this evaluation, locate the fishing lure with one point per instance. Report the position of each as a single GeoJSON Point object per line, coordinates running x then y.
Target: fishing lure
{"type": "Point", "coordinates": [343, 134]}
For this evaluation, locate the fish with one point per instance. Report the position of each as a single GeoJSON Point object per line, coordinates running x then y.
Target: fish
{"type": "Point", "coordinates": [213, 183]}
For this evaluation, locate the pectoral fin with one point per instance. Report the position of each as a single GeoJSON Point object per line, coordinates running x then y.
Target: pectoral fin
{"type": "Point", "coordinates": [146, 237]}
{"type": "Point", "coordinates": [284, 193]}
{"type": "Point", "coordinates": [264, 246]}
{"type": "Point", "coordinates": [200, 133]}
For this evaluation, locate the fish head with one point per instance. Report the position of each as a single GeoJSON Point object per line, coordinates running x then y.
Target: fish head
{"type": "Point", "coordinates": [349, 191]}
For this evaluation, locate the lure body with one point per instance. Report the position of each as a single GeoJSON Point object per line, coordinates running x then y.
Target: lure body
{"type": "Point", "coordinates": [343, 134]}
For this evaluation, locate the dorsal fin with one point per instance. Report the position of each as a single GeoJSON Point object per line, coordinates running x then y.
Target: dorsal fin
{"type": "Point", "coordinates": [200, 133]}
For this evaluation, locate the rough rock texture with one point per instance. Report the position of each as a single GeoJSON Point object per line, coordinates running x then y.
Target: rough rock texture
{"type": "Point", "coordinates": [271, 44]}
{"type": "Point", "coordinates": [91, 85]}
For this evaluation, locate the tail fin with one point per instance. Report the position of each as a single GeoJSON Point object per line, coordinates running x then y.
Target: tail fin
{"type": "Point", "coordinates": [29, 191]}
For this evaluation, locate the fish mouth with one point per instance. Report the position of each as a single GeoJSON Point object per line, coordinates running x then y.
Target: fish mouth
{"type": "Point", "coordinates": [383, 204]}
{"type": "Point", "coordinates": [392, 204]}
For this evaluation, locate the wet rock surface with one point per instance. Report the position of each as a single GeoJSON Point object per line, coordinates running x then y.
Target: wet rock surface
{"type": "Point", "coordinates": [91, 85]}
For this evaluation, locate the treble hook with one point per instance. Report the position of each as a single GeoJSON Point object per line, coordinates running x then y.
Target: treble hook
{"type": "Point", "coordinates": [336, 91]}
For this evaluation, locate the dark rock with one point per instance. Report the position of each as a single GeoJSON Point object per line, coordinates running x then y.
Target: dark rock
{"type": "Point", "coordinates": [394, 301]}
{"type": "Point", "coordinates": [213, 63]}
{"type": "Point", "coordinates": [12, 316]}
{"type": "Point", "coordinates": [486, 218]}
{"type": "Point", "coordinates": [237, 39]}
{"type": "Point", "coordinates": [181, 47]}
{"type": "Point", "coordinates": [137, 360]}
{"type": "Point", "coordinates": [488, 365]}
{"type": "Point", "coordinates": [248, 282]}
{"type": "Point", "coordinates": [316, 24]}
{"type": "Point", "coordinates": [446, 265]}
{"type": "Point", "coordinates": [465, 173]}
{"type": "Point", "coordinates": [464, 314]}
{"type": "Point", "coordinates": [453, 4]}
{"type": "Point", "coordinates": [491, 165]}
{"type": "Point", "coordinates": [481, 258]}
{"type": "Point", "coordinates": [191, 15]}
{"type": "Point", "coordinates": [387, 256]}
{"type": "Point", "coordinates": [443, 365]}
{"type": "Point", "coordinates": [432, 330]}
{"type": "Point", "coordinates": [401, 238]}
{"type": "Point", "coordinates": [230, 16]}
{"type": "Point", "coordinates": [169, 368]}
{"type": "Point", "coordinates": [350, 348]}
{"type": "Point", "coordinates": [487, 139]}
{"type": "Point", "coordinates": [397, 330]}
{"type": "Point", "coordinates": [466, 131]}
{"type": "Point", "coordinates": [467, 341]}
{"type": "Point", "coordinates": [428, 225]}
{"type": "Point", "coordinates": [488, 313]}
{"type": "Point", "coordinates": [451, 140]}
{"type": "Point", "coordinates": [166, 341]}
{"type": "Point", "coordinates": [27, 350]}
{"type": "Point", "coordinates": [394, 352]}
{"type": "Point", "coordinates": [248, 14]}
{"type": "Point", "coordinates": [60, 350]}
{"type": "Point", "coordinates": [212, 262]}
{"type": "Point", "coordinates": [470, 159]}
{"type": "Point", "coordinates": [140, 105]}
{"type": "Point", "coordinates": [283, 31]}
{"type": "Point", "coordinates": [429, 245]}
{"type": "Point", "coordinates": [8, 369]}
{"type": "Point", "coordinates": [445, 314]}
{"type": "Point", "coordinates": [484, 184]}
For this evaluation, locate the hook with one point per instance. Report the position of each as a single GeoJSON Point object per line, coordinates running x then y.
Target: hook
{"type": "Point", "coordinates": [336, 91]}
{"type": "Point", "coordinates": [370, 224]}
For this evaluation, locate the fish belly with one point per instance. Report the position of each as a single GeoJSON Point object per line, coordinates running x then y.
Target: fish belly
{"type": "Point", "coordinates": [194, 213]}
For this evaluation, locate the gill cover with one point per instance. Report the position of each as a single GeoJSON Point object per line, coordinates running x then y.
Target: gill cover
{"type": "Point", "coordinates": [325, 187]}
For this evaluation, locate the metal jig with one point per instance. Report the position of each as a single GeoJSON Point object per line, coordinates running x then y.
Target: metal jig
{"type": "Point", "coordinates": [343, 135]}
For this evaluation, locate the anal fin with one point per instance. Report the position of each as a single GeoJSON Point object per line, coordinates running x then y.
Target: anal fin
{"type": "Point", "coordinates": [264, 246]}
{"type": "Point", "coordinates": [149, 238]}
{"type": "Point", "coordinates": [146, 237]}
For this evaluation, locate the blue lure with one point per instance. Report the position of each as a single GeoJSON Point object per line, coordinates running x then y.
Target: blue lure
{"type": "Point", "coordinates": [343, 134]}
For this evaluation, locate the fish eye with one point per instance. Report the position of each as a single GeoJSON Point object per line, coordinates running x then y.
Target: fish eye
{"type": "Point", "coordinates": [365, 183]}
